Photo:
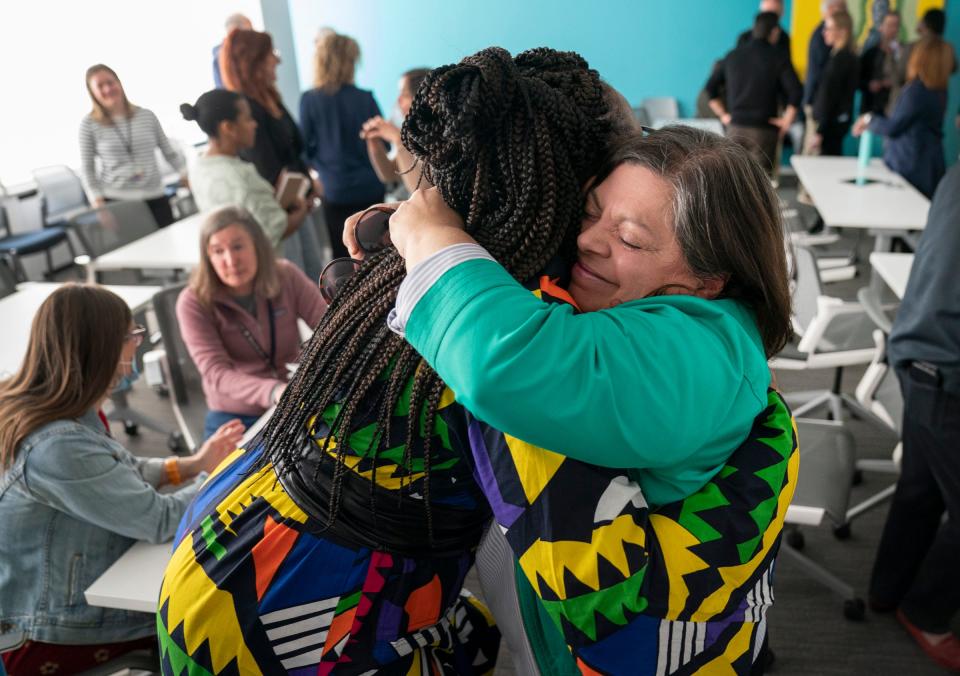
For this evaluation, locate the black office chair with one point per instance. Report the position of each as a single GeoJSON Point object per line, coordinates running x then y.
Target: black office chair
{"type": "Point", "coordinates": [8, 281]}
{"type": "Point", "coordinates": [183, 378]}
{"type": "Point", "coordinates": [15, 246]}
{"type": "Point", "coordinates": [101, 230]}
{"type": "Point", "coordinates": [61, 192]}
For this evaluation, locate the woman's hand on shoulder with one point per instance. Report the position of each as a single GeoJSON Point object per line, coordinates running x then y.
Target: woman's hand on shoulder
{"type": "Point", "coordinates": [221, 443]}
{"type": "Point", "coordinates": [377, 127]}
{"type": "Point", "coordinates": [423, 225]}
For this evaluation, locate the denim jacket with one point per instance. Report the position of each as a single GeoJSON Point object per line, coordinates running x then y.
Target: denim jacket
{"type": "Point", "coordinates": [73, 501]}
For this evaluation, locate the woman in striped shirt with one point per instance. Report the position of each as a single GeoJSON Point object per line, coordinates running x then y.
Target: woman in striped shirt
{"type": "Point", "coordinates": [124, 137]}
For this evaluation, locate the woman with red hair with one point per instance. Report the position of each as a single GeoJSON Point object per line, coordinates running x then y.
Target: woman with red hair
{"type": "Point", "coordinates": [248, 65]}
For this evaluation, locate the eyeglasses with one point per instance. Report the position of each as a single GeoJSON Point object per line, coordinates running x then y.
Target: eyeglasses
{"type": "Point", "coordinates": [373, 234]}
{"type": "Point", "coordinates": [137, 334]}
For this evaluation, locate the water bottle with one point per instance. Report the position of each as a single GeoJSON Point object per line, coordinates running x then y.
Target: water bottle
{"type": "Point", "coordinates": [863, 158]}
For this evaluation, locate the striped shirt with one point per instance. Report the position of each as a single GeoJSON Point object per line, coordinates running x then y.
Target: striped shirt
{"type": "Point", "coordinates": [128, 163]}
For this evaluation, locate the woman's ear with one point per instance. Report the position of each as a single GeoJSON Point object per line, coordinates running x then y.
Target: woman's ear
{"type": "Point", "coordinates": [711, 287]}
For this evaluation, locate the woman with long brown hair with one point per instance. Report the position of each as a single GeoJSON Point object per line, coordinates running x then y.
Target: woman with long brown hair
{"type": "Point", "coordinates": [248, 63]}
{"type": "Point", "coordinates": [332, 115]}
{"type": "Point", "coordinates": [124, 137]}
{"type": "Point", "coordinates": [914, 132]}
{"type": "Point", "coordinates": [72, 499]}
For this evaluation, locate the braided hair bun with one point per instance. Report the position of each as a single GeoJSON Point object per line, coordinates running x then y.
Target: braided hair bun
{"type": "Point", "coordinates": [509, 143]}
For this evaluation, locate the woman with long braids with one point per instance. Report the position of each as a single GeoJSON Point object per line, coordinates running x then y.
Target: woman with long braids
{"type": "Point", "coordinates": [644, 540]}
{"type": "Point", "coordinates": [340, 541]}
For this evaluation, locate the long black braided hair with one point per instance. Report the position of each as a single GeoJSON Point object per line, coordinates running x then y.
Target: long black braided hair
{"type": "Point", "coordinates": [509, 143]}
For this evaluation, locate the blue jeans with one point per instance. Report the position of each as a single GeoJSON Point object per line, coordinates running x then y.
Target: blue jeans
{"type": "Point", "coordinates": [216, 418]}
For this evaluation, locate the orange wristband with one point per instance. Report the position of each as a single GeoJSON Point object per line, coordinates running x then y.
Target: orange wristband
{"type": "Point", "coordinates": [172, 467]}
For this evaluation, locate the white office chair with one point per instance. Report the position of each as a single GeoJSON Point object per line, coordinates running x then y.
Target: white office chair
{"type": "Point", "coordinates": [833, 334]}
{"type": "Point", "coordinates": [661, 107]}
{"type": "Point", "coordinates": [706, 124]}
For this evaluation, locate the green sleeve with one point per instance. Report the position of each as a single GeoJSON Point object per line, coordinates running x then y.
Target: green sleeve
{"type": "Point", "coordinates": [646, 384]}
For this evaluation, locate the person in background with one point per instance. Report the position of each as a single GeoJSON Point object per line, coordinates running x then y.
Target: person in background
{"type": "Point", "coordinates": [915, 571]}
{"type": "Point", "coordinates": [818, 54]}
{"type": "Point", "coordinates": [72, 499]}
{"type": "Point", "coordinates": [402, 166]}
{"type": "Point", "coordinates": [238, 317]}
{"type": "Point", "coordinates": [124, 138]}
{"type": "Point", "coordinates": [332, 116]}
{"type": "Point", "coordinates": [756, 76]}
{"type": "Point", "coordinates": [233, 22]}
{"type": "Point", "coordinates": [221, 178]}
{"type": "Point", "coordinates": [248, 63]}
{"type": "Point", "coordinates": [833, 105]}
{"type": "Point", "coordinates": [914, 131]}
{"type": "Point", "coordinates": [783, 40]}
{"type": "Point", "coordinates": [880, 68]}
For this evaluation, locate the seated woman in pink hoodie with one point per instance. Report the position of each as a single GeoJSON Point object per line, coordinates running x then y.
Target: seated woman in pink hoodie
{"type": "Point", "coordinates": [238, 317]}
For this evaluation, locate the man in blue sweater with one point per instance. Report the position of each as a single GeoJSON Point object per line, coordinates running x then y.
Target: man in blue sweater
{"type": "Point", "coordinates": [917, 562]}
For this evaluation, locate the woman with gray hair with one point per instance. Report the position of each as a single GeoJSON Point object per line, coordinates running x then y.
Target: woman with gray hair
{"type": "Point", "coordinates": [238, 317]}
{"type": "Point", "coordinates": [630, 437]}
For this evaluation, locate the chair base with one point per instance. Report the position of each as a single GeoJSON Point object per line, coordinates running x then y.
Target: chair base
{"type": "Point", "coordinates": [853, 606]}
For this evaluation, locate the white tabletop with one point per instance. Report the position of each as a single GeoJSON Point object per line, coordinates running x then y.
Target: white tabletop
{"type": "Point", "coordinates": [891, 203]}
{"type": "Point", "coordinates": [17, 311]}
{"type": "Point", "coordinates": [894, 269]}
{"type": "Point", "coordinates": [175, 247]}
{"type": "Point", "coordinates": [133, 581]}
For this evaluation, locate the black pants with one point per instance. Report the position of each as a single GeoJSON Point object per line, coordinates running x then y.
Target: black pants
{"type": "Point", "coordinates": [335, 215]}
{"type": "Point", "coordinates": [160, 208]}
{"type": "Point", "coordinates": [918, 561]}
{"type": "Point", "coordinates": [833, 135]}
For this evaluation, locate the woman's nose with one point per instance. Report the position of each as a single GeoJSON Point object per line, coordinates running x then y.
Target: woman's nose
{"type": "Point", "coordinates": [593, 238]}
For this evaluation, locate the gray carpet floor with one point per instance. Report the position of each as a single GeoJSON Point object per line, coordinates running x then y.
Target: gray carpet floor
{"type": "Point", "coordinates": [808, 631]}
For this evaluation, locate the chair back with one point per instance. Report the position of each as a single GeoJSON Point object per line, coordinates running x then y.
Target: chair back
{"type": "Point", "coordinates": [827, 465]}
{"type": "Point", "coordinates": [112, 225]}
{"type": "Point", "coordinates": [183, 378]}
{"type": "Point", "coordinates": [62, 193]}
{"type": "Point", "coordinates": [8, 280]}
{"type": "Point", "coordinates": [807, 288]}
{"type": "Point", "coordinates": [661, 107]}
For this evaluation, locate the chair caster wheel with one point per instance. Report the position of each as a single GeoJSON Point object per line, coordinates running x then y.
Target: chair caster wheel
{"type": "Point", "coordinates": [842, 532]}
{"type": "Point", "coordinates": [854, 609]}
{"type": "Point", "coordinates": [177, 444]}
{"type": "Point", "coordinates": [796, 540]}
{"type": "Point", "coordinates": [132, 429]}
{"type": "Point", "coordinates": [857, 478]}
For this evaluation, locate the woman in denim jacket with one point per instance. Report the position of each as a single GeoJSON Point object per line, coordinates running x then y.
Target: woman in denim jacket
{"type": "Point", "coordinates": [72, 499]}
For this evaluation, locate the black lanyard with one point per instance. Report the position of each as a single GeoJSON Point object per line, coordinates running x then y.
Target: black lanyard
{"type": "Point", "coordinates": [268, 358]}
{"type": "Point", "coordinates": [127, 140]}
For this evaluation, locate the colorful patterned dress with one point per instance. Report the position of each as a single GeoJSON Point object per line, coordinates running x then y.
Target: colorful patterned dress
{"type": "Point", "coordinates": [258, 585]}
{"type": "Point", "coordinates": [681, 589]}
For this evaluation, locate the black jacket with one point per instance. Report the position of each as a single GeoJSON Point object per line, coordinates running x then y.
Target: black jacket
{"type": "Point", "coordinates": [278, 146]}
{"type": "Point", "coordinates": [757, 75]}
{"type": "Point", "coordinates": [833, 104]}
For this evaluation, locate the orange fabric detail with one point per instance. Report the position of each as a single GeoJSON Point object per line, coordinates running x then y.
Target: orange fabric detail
{"type": "Point", "coordinates": [270, 552]}
{"type": "Point", "coordinates": [339, 628]}
{"type": "Point", "coordinates": [585, 670]}
{"type": "Point", "coordinates": [550, 286]}
{"type": "Point", "coordinates": [423, 606]}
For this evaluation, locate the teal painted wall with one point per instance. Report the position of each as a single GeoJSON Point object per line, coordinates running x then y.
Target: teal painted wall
{"type": "Point", "coordinates": [642, 47]}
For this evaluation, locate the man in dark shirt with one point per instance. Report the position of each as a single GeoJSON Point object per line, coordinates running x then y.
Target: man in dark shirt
{"type": "Point", "coordinates": [757, 75]}
{"type": "Point", "coordinates": [919, 557]}
{"type": "Point", "coordinates": [783, 42]}
{"type": "Point", "coordinates": [818, 53]}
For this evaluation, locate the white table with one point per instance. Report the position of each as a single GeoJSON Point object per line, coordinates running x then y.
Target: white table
{"type": "Point", "coordinates": [18, 309]}
{"type": "Point", "coordinates": [894, 269]}
{"type": "Point", "coordinates": [133, 581]}
{"type": "Point", "coordinates": [887, 207]}
{"type": "Point", "coordinates": [175, 247]}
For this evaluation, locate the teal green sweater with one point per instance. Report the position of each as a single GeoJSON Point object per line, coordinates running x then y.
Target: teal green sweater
{"type": "Point", "coordinates": [668, 386]}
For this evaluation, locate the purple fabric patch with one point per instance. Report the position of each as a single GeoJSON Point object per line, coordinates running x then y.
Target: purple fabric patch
{"type": "Point", "coordinates": [716, 627]}
{"type": "Point", "coordinates": [388, 624]}
{"type": "Point", "coordinates": [505, 513]}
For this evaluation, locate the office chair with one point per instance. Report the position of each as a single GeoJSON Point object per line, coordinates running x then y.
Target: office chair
{"type": "Point", "coordinates": [16, 245]}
